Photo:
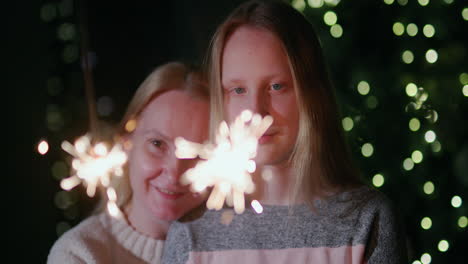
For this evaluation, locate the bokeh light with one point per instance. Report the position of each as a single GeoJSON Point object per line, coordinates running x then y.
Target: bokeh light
{"type": "Point", "coordinates": [431, 56]}
{"type": "Point", "coordinates": [456, 201]}
{"type": "Point", "coordinates": [378, 180]}
{"type": "Point", "coordinates": [407, 56]}
{"type": "Point", "coordinates": [336, 31]}
{"type": "Point", "coordinates": [423, 2]}
{"type": "Point", "coordinates": [414, 124]}
{"type": "Point", "coordinates": [315, 3]}
{"type": "Point", "coordinates": [428, 188]}
{"type": "Point", "coordinates": [443, 245]}
{"type": "Point", "coordinates": [465, 90]}
{"type": "Point", "coordinates": [347, 123]}
{"type": "Point", "coordinates": [426, 223]}
{"type": "Point", "coordinates": [436, 146]}
{"type": "Point", "coordinates": [363, 87]}
{"type": "Point", "coordinates": [417, 156]}
{"type": "Point", "coordinates": [43, 147]}
{"type": "Point", "coordinates": [330, 18]}
{"type": "Point", "coordinates": [426, 258]}
{"type": "Point", "coordinates": [408, 164]}
{"type": "Point", "coordinates": [430, 136]}
{"type": "Point", "coordinates": [398, 28]}
{"type": "Point", "coordinates": [465, 13]}
{"type": "Point", "coordinates": [462, 221]}
{"type": "Point", "coordinates": [299, 5]}
{"type": "Point", "coordinates": [367, 150]}
{"type": "Point", "coordinates": [411, 89]}
{"type": "Point", "coordinates": [429, 31]}
{"type": "Point", "coordinates": [412, 29]}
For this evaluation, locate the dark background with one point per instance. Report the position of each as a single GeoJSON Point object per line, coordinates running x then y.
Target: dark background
{"type": "Point", "coordinates": [127, 41]}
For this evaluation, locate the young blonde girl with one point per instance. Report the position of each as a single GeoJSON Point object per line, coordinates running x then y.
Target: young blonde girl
{"type": "Point", "coordinates": [267, 58]}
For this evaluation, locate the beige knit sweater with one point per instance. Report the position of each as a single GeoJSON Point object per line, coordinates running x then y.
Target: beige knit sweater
{"type": "Point", "coordinates": [104, 239]}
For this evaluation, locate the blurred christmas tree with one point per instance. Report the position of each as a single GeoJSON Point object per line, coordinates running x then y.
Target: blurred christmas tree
{"type": "Point", "coordinates": [400, 72]}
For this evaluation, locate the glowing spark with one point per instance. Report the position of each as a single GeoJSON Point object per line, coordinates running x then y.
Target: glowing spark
{"type": "Point", "coordinates": [257, 206]}
{"type": "Point", "coordinates": [43, 147]}
{"type": "Point", "coordinates": [95, 165]}
{"type": "Point", "coordinates": [227, 165]}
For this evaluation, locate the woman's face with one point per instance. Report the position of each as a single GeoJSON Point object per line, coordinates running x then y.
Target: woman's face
{"type": "Point", "coordinates": [255, 75]}
{"type": "Point", "coordinates": [153, 168]}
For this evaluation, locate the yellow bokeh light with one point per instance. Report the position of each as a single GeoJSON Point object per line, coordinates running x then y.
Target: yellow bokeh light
{"type": "Point", "coordinates": [423, 2]}
{"type": "Point", "coordinates": [412, 29]}
{"type": "Point", "coordinates": [456, 201]}
{"type": "Point", "coordinates": [462, 221]}
{"type": "Point", "coordinates": [417, 156]}
{"type": "Point", "coordinates": [315, 3]}
{"type": "Point", "coordinates": [443, 245]}
{"type": "Point", "coordinates": [408, 164]}
{"type": "Point", "coordinates": [407, 56]}
{"type": "Point", "coordinates": [411, 89]}
{"type": "Point", "coordinates": [448, 1]}
{"type": "Point", "coordinates": [299, 5]}
{"type": "Point", "coordinates": [431, 56]}
{"type": "Point", "coordinates": [330, 18]}
{"type": "Point", "coordinates": [43, 147]}
{"type": "Point", "coordinates": [430, 136]}
{"type": "Point", "coordinates": [426, 258]}
{"type": "Point", "coordinates": [414, 124]}
{"type": "Point", "coordinates": [389, 2]}
{"type": "Point", "coordinates": [363, 87]}
{"type": "Point", "coordinates": [372, 102]}
{"type": "Point", "coordinates": [428, 187]}
{"type": "Point", "coordinates": [398, 28]}
{"type": "Point", "coordinates": [465, 90]}
{"type": "Point", "coordinates": [402, 2]}
{"type": "Point", "coordinates": [130, 125]}
{"type": "Point", "coordinates": [426, 223]}
{"type": "Point", "coordinates": [336, 31]}
{"type": "Point", "coordinates": [463, 78]}
{"type": "Point", "coordinates": [465, 13]}
{"type": "Point", "coordinates": [347, 123]}
{"type": "Point", "coordinates": [436, 146]}
{"type": "Point", "coordinates": [378, 180]}
{"type": "Point", "coordinates": [416, 262]}
{"type": "Point", "coordinates": [429, 31]}
{"type": "Point", "coordinates": [367, 150]}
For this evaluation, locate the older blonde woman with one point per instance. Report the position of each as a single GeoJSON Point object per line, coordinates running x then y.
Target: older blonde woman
{"type": "Point", "coordinates": [171, 102]}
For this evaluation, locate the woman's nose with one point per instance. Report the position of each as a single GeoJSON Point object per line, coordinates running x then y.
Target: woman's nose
{"type": "Point", "coordinates": [258, 102]}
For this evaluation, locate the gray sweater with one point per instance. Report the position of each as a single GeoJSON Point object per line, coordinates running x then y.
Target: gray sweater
{"type": "Point", "coordinates": [358, 226]}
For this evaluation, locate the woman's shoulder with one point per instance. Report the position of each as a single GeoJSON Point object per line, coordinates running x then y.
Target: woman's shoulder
{"type": "Point", "coordinates": [75, 245]}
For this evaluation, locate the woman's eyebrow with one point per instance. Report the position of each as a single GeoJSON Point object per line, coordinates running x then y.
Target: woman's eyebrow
{"type": "Point", "coordinates": [154, 132]}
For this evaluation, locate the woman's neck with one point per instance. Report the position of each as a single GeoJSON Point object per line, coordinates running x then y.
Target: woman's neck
{"type": "Point", "coordinates": [272, 185]}
{"type": "Point", "coordinates": [144, 223]}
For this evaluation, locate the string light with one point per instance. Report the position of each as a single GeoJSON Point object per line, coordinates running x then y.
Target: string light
{"type": "Point", "coordinates": [408, 164]}
{"type": "Point", "coordinates": [431, 56]}
{"type": "Point", "coordinates": [465, 13]}
{"type": "Point", "coordinates": [378, 180]}
{"type": "Point", "coordinates": [407, 56]}
{"type": "Point", "coordinates": [363, 87]}
{"type": "Point", "coordinates": [426, 223]}
{"type": "Point", "coordinates": [347, 123]}
{"type": "Point", "coordinates": [414, 124]}
{"type": "Point", "coordinates": [299, 5]}
{"type": "Point", "coordinates": [417, 156]}
{"type": "Point", "coordinates": [412, 29]}
{"type": "Point", "coordinates": [429, 31]}
{"type": "Point", "coordinates": [428, 188]}
{"type": "Point", "coordinates": [430, 136]}
{"type": "Point", "coordinates": [398, 28]}
{"type": "Point", "coordinates": [330, 18]}
{"type": "Point", "coordinates": [389, 2]}
{"type": "Point", "coordinates": [462, 221]}
{"type": "Point", "coordinates": [456, 201]}
{"type": "Point", "coordinates": [367, 150]}
{"type": "Point", "coordinates": [436, 146]}
{"type": "Point", "coordinates": [465, 90]}
{"type": "Point", "coordinates": [423, 2]}
{"type": "Point", "coordinates": [372, 102]}
{"type": "Point", "coordinates": [463, 78]}
{"type": "Point", "coordinates": [443, 245]}
{"type": "Point", "coordinates": [315, 3]}
{"type": "Point", "coordinates": [336, 31]}
{"type": "Point", "coordinates": [426, 258]}
{"type": "Point", "coordinates": [402, 2]}
{"type": "Point", "coordinates": [43, 147]}
{"type": "Point", "coordinates": [411, 89]}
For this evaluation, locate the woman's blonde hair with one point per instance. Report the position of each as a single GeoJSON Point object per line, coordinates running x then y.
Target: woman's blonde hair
{"type": "Point", "coordinates": [321, 160]}
{"type": "Point", "coordinates": [170, 76]}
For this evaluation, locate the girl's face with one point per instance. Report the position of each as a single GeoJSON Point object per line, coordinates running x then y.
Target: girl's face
{"type": "Point", "coordinates": [153, 168]}
{"type": "Point", "coordinates": [255, 75]}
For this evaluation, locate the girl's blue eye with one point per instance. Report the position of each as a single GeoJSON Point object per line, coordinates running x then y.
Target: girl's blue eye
{"type": "Point", "coordinates": [239, 90]}
{"type": "Point", "coordinates": [276, 86]}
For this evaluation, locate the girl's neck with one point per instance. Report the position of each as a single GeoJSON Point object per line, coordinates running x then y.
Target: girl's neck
{"type": "Point", "coordinates": [144, 223]}
{"type": "Point", "coordinates": [272, 185]}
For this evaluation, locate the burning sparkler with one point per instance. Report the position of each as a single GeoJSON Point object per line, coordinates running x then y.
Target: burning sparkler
{"type": "Point", "coordinates": [94, 165]}
{"type": "Point", "coordinates": [227, 165]}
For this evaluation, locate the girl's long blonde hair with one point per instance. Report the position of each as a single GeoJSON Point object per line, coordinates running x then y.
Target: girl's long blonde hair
{"type": "Point", "coordinates": [321, 160]}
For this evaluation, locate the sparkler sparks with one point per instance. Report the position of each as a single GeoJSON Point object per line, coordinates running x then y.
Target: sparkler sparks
{"type": "Point", "coordinates": [95, 164]}
{"type": "Point", "coordinates": [227, 165]}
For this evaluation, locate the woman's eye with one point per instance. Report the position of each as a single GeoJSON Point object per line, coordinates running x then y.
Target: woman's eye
{"type": "Point", "coordinates": [276, 86]}
{"type": "Point", "coordinates": [239, 90]}
{"type": "Point", "coordinates": [157, 143]}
